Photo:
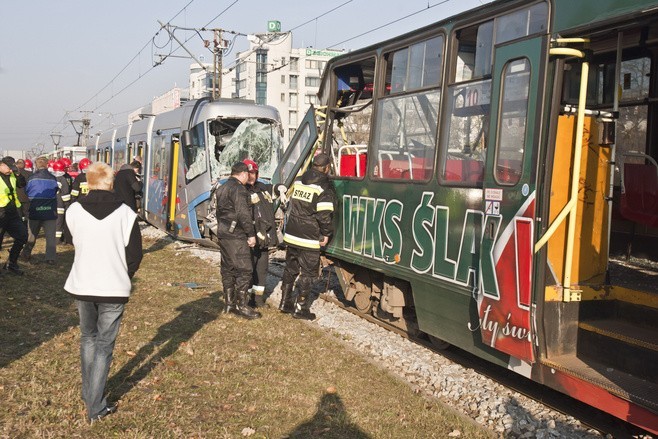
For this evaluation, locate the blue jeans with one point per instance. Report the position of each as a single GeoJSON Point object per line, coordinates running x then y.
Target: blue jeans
{"type": "Point", "coordinates": [99, 325]}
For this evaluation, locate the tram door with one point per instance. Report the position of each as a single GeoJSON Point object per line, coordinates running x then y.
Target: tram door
{"type": "Point", "coordinates": [298, 151]}
{"type": "Point", "coordinates": [505, 303]}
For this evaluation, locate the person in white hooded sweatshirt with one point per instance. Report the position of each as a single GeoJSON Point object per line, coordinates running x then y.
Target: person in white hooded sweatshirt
{"type": "Point", "coordinates": [108, 251]}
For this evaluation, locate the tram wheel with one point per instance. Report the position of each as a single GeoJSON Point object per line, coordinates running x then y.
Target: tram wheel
{"type": "Point", "coordinates": [362, 302]}
{"type": "Point", "coordinates": [439, 344]}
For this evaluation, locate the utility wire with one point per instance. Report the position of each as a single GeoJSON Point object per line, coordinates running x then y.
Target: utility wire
{"type": "Point", "coordinates": [320, 16]}
{"type": "Point", "coordinates": [62, 121]}
{"type": "Point", "coordinates": [390, 23]}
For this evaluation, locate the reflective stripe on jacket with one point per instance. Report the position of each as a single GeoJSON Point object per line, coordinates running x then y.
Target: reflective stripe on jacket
{"type": "Point", "coordinates": [310, 211]}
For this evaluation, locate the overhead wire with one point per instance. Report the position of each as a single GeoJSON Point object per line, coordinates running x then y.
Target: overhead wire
{"type": "Point", "coordinates": [390, 23]}
{"type": "Point", "coordinates": [64, 118]}
{"type": "Point", "coordinates": [173, 50]}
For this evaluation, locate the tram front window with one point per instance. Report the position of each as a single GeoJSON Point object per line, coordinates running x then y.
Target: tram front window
{"type": "Point", "coordinates": [195, 154]}
{"type": "Point", "coordinates": [233, 140]}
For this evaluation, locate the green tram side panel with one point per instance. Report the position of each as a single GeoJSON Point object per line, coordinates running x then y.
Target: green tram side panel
{"type": "Point", "coordinates": [568, 14]}
{"type": "Point", "coordinates": [421, 233]}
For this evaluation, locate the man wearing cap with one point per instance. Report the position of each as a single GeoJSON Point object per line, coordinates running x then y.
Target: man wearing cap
{"type": "Point", "coordinates": [10, 217]}
{"type": "Point", "coordinates": [308, 228]}
{"type": "Point", "coordinates": [262, 206]}
{"type": "Point", "coordinates": [236, 233]}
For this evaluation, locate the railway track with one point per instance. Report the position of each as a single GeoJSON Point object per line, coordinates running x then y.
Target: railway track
{"type": "Point", "coordinates": [605, 424]}
{"type": "Point", "coordinates": [587, 415]}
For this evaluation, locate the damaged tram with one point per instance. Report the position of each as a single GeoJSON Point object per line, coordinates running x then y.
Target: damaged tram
{"type": "Point", "coordinates": [193, 146]}
{"type": "Point", "coordinates": [498, 190]}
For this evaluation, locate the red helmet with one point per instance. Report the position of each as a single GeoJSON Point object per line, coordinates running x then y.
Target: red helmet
{"type": "Point", "coordinates": [29, 165]}
{"type": "Point", "coordinates": [66, 161]}
{"type": "Point", "coordinates": [58, 166]}
{"type": "Point", "coordinates": [84, 163]}
{"type": "Point", "coordinates": [51, 163]}
{"type": "Point", "coordinates": [253, 167]}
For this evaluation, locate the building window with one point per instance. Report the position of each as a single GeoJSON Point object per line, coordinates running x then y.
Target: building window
{"type": "Point", "coordinates": [242, 66]}
{"type": "Point", "coordinates": [293, 100]}
{"type": "Point", "coordinates": [242, 84]}
{"type": "Point", "coordinates": [283, 97]}
{"type": "Point", "coordinates": [311, 99]}
{"type": "Point", "coordinates": [291, 132]}
{"type": "Point", "coordinates": [312, 81]}
{"type": "Point", "coordinates": [294, 64]}
{"type": "Point", "coordinates": [283, 79]}
{"type": "Point", "coordinates": [314, 64]}
{"type": "Point", "coordinates": [293, 82]}
{"type": "Point", "coordinates": [292, 118]}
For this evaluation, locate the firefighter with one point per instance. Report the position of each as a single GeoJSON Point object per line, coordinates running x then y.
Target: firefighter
{"type": "Point", "coordinates": [63, 196]}
{"type": "Point", "coordinates": [262, 205]}
{"type": "Point", "coordinates": [308, 229]}
{"type": "Point", "coordinates": [79, 188]}
{"type": "Point", "coordinates": [236, 234]}
{"type": "Point", "coordinates": [10, 219]}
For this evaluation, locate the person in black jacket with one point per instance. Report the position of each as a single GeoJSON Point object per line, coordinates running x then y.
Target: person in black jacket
{"type": "Point", "coordinates": [262, 205]}
{"type": "Point", "coordinates": [236, 233]}
{"type": "Point", "coordinates": [10, 218]}
{"type": "Point", "coordinates": [126, 184]}
{"type": "Point", "coordinates": [308, 229]}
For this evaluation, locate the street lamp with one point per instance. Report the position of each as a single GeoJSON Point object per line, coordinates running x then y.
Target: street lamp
{"type": "Point", "coordinates": [56, 138]}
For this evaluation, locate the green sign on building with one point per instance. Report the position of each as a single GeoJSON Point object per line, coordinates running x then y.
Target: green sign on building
{"type": "Point", "coordinates": [274, 26]}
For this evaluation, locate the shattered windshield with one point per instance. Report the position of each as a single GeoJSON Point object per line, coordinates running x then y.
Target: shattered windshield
{"type": "Point", "coordinates": [238, 139]}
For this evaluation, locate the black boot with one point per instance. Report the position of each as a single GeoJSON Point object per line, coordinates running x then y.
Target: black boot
{"type": "Point", "coordinates": [303, 308]}
{"type": "Point", "coordinates": [245, 310]}
{"type": "Point", "coordinates": [303, 304]}
{"type": "Point", "coordinates": [229, 300]}
{"type": "Point", "coordinates": [287, 304]}
{"type": "Point", "coordinates": [13, 268]}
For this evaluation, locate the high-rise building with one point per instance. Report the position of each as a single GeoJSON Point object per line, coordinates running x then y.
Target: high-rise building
{"type": "Point", "coordinates": [270, 72]}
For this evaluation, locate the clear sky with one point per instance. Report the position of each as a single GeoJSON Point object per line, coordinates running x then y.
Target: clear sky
{"type": "Point", "coordinates": [62, 58]}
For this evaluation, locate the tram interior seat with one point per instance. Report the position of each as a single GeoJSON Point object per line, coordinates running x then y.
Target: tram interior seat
{"type": "Point", "coordinates": [404, 166]}
{"type": "Point", "coordinates": [639, 197]}
{"type": "Point", "coordinates": [464, 170]}
{"type": "Point", "coordinates": [353, 160]}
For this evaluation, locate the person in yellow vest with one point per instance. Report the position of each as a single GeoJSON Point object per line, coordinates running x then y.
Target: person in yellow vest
{"type": "Point", "coordinates": [10, 217]}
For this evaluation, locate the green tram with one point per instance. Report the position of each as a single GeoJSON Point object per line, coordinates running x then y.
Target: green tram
{"type": "Point", "coordinates": [486, 167]}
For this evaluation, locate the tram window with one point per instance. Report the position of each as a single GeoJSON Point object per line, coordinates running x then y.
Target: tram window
{"type": "Point", "coordinates": [634, 86]}
{"type": "Point", "coordinates": [475, 52]}
{"type": "Point", "coordinates": [414, 67]}
{"type": "Point", "coordinates": [196, 162]}
{"type": "Point", "coordinates": [518, 24]}
{"type": "Point", "coordinates": [512, 122]}
{"type": "Point", "coordinates": [634, 96]}
{"type": "Point", "coordinates": [406, 136]}
{"type": "Point", "coordinates": [350, 129]}
{"type": "Point", "coordinates": [464, 148]}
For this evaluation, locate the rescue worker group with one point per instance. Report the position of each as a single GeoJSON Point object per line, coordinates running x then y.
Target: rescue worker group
{"type": "Point", "coordinates": [35, 196]}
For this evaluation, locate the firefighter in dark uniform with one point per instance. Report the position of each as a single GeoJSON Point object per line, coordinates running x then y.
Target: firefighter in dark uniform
{"type": "Point", "coordinates": [262, 205]}
{"type": "Point", "coordinates": [79, 187]}
{"type": "Point", "coordinates": [10, 217]}
{"type": "Point", "coordinates": [308, 228]}
{"type": "Point", "coordinates": [63, 197]}
{"type": "Point", "coordinates": [235, 230]}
